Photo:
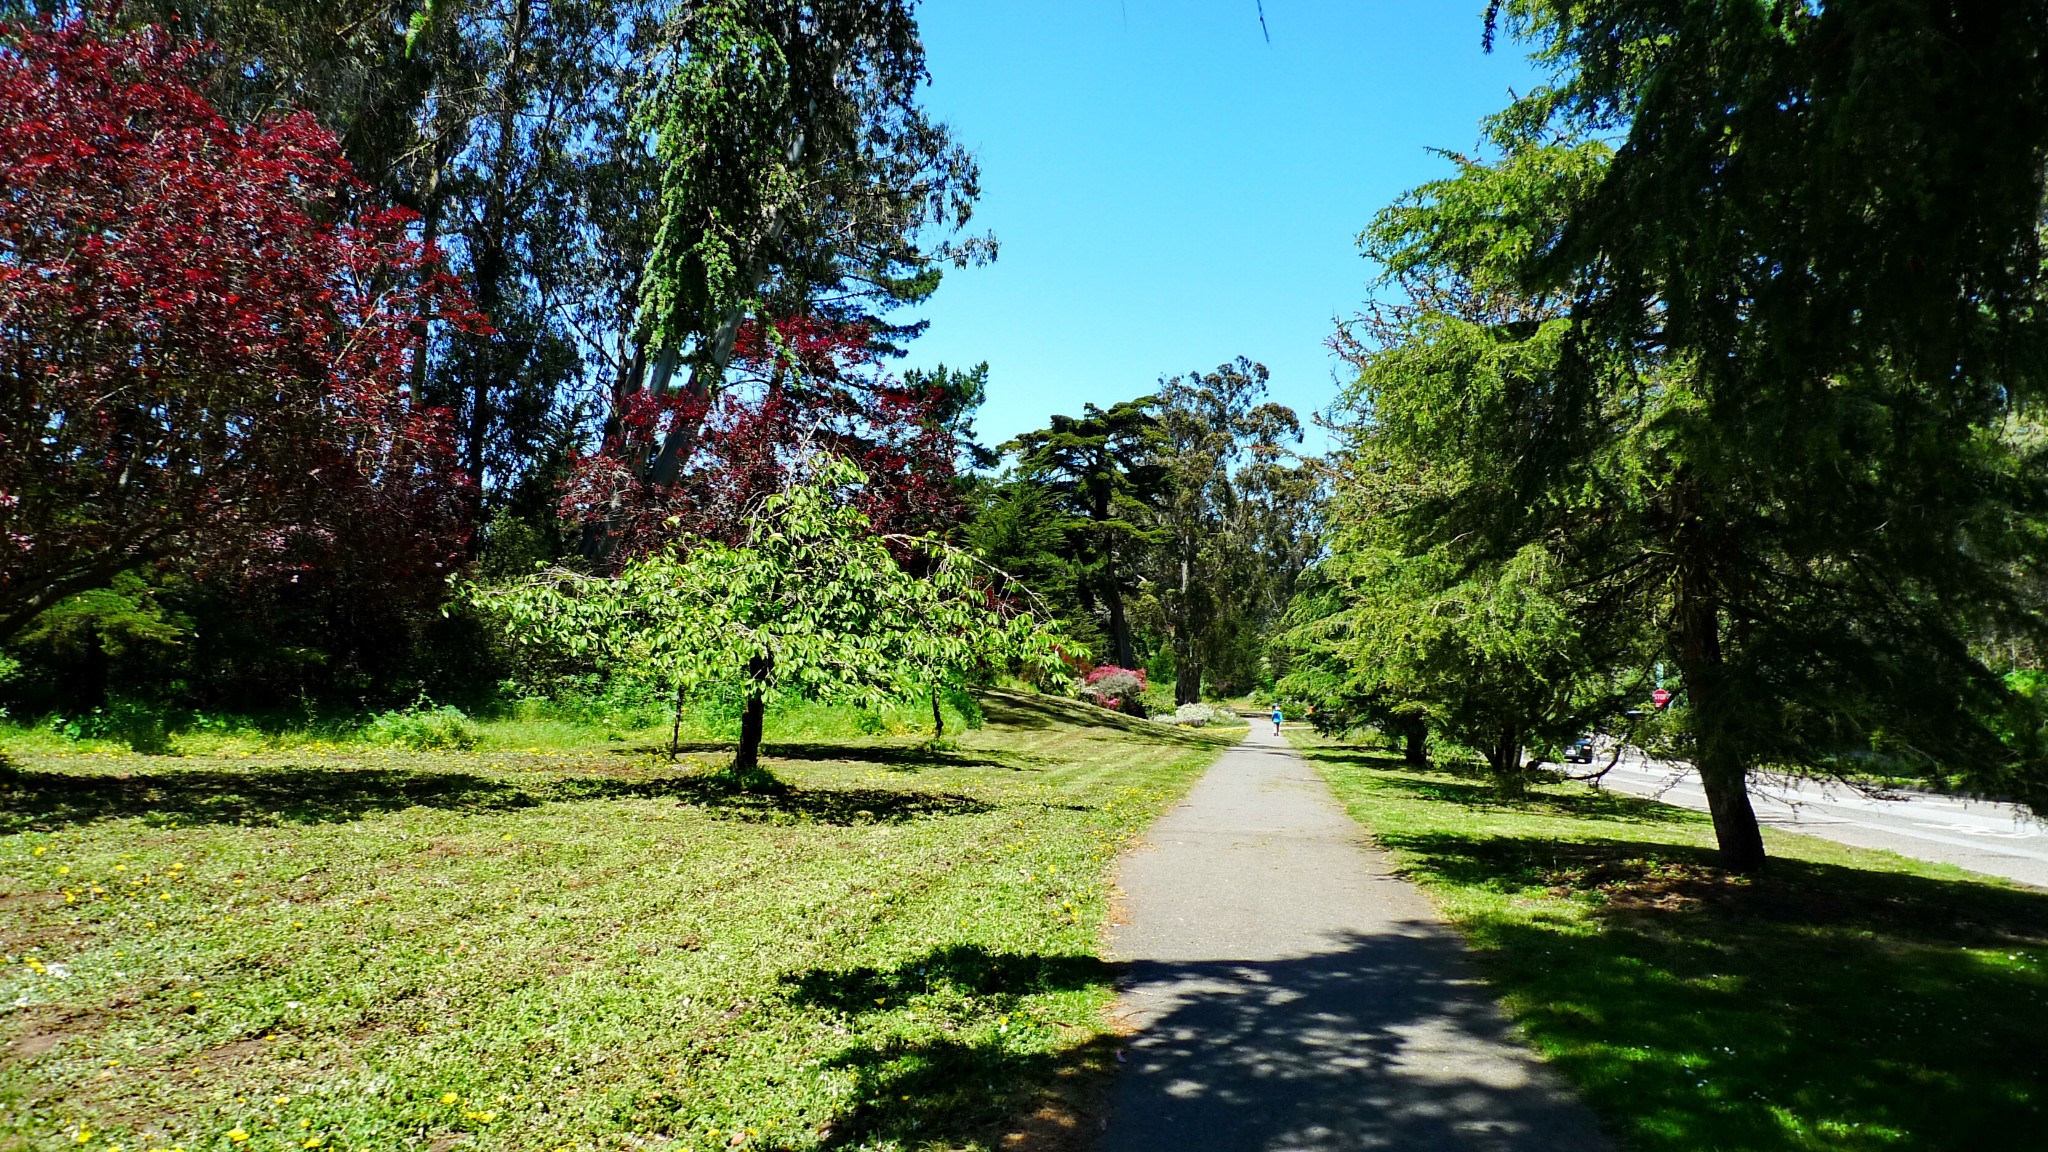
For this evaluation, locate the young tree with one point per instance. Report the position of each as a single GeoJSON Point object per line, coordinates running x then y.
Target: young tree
{"type": "Point", "coordinates": [810, 603]}
{"type": "Point", "coordinates": [206, 331]}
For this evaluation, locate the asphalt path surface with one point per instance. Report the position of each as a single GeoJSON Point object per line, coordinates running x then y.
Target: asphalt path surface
{"type": "Point", "coordinates": [1287, 991]}
{"type": "Point", "coordinates": [1980, 835]}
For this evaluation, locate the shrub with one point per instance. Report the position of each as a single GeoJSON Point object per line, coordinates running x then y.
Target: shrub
{"type": "Point", "coordinates": [1197, 715]}
{"type": "Point", "coordinates": [1121, 689]}
{"type": "Point", "coordinates": [140, 726]}
{"type": "Point", "coordinates": [423, 729]}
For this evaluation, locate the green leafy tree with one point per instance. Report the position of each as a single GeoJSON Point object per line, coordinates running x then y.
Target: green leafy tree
{"type": "Point", "coordinates": [1793, 423]}
{"type": "Point", "coordinates": [1103, 474]}
{"type": "Point", "coordinates": [810, 605]}
{"type": "Point", "coordinates": [1765, 378]}
{"type": "Point", "coordinates": [1235, 520]}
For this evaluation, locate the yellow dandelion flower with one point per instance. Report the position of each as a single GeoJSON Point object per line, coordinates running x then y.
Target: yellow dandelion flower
{"type": "Point", "coordinates": [312, 1142]}
{"type": "Point", "coordinates": [448, 1097]}
{"type": "Point", "coordinates": [40, 851]}
{"type": "Point", "coordinates": [237, 1135]}
{"type": "Point", "coordinates": [81, 1136]}
{"type": "Point", "coordinates": [120, 867]}
{"type": "Point", "coordinates": [63, 869]}
{"type": "Point", "coordinates": [281, 1100]}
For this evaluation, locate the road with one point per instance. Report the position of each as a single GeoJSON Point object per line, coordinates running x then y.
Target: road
{"type": "Point", "coordinates": [1981, 835]}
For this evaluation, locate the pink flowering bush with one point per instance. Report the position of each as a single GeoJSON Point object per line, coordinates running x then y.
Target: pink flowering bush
{"type": "Point", "coordinates": [1121, 689]}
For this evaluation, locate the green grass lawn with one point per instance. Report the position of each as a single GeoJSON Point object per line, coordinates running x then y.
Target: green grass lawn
{"type": "Point", "coordinates": [576, 947]}
{"type": "Point", "coordinates": [1844, 999]}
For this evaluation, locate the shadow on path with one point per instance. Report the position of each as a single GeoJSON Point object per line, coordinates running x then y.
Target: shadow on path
{"type": "Point", "coordinates": [1365, 1046]}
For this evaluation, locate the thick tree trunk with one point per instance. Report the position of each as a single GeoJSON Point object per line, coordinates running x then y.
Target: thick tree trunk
{"type": "Point", "coordinates": [1187, 681]}
{"type": "Point", "coordinates": [752, 720]}
{"type": "Point", "coordinates": [1504, 760]}
{"type": "Point", "coordinates": [1724, 774]}
{"type": "Point", "coordinates": [1415, 743]}
{"type": "Point", "coordinates": [1119, 626]}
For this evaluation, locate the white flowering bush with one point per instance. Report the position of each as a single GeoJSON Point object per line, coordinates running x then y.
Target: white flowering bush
{"type": "Point", "coordinates": [1198, 715]}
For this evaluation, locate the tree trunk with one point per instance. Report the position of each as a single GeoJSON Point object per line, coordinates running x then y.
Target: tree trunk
{"type": "Point", "coordinates": [938, 718]}
{"type": "Point", "coordinates": [1415, 743]}
{"type": "Point", "coordinates": [1187, 667]}
{"type": "Point", "coordinates": [1724, 775]}
{"type": "Point", "coordinates": [1504, 760]}
{"type": "Point", "coordinates": [747, 762]}
{"type": "Point", "coordinates": [1119, 627]}
{"type": "Point", "coordinates": [675, 730]}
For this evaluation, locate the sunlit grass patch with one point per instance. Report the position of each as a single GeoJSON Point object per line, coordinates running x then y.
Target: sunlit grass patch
{"type": "Point", "coordinates": [587, 947]}
{"type": "Point", "coordinates": [1843, 999]}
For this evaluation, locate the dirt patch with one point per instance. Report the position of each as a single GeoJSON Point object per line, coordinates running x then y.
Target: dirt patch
{"type": "Point", "coordinates": [40, 1031]}
{"type": "Point", "coordinates": [1073, 1111]}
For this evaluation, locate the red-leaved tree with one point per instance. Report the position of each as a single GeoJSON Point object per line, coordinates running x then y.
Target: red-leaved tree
{"type": "Point", "coordinates": [801, 386]}
{"type": "Point", "coordinates": [206, 332]}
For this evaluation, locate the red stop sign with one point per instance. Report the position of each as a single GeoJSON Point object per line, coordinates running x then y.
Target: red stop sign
{"type": "Point", "coordinates": [1660, 697]}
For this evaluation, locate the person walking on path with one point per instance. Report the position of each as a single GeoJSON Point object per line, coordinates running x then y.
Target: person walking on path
{"type": "Point", "coordinates": [1276, 719]}
{"type": "Point", "coordinates": [1288, 992]}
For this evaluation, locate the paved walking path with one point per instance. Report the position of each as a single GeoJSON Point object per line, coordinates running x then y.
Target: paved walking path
{"type": "Point", "coordinates": [1290, 993]}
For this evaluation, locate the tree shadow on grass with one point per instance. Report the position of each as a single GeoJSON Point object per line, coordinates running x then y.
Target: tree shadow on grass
{"type": "Point", "coordinates": [963, 968]}
{"type": "Point", "coordinates": [1543, 798]}
{"type": "Point", "coordinates": [293, 794]}
{"type": "Point", "coordinates": [1015, 710]}
{"type": "Point", "coordinates": [1812, 1005]}
{"type": "Point", "coordinates": [950, 1092]}
{"type": "Point", "coordinates": [957, 1094]}
{"type": "Point", "coordinates": [903, 757]}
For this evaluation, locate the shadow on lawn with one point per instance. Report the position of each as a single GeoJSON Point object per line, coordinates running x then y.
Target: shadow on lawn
{"type": "Point", "coordinates": [1812, 1005]}
{"type": "Point", "coordinates": [312, 795]}
{"type": "Point", "coordinates": [947, 1092]}
{"type": "Point", "coordinates": [966, 968]}
{"type": "Point", "coordinates": [907, 757]}
{"type": "Point", "coordinates": [1472, 790]}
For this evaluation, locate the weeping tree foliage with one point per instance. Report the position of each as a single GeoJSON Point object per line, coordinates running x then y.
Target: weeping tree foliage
{"type": "Point", "coordinates": [798, 177]}
{"type": "Point", "coordinates": [811, 605]}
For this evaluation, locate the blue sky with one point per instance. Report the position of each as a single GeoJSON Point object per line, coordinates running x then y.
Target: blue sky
{"type": "Point", "coordinates": [1171, 191]}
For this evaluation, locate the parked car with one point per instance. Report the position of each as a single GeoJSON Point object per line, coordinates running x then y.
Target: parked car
{"type": "Point", "coordinates": [1580, 751]}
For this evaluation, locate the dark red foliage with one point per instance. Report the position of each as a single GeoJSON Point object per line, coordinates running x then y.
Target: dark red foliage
{"type": "Point", "coordinates": [206, 335]}
{"type": "Point", "coordinates": [805, 387]}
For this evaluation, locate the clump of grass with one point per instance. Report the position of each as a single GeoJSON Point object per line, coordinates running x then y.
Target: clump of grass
{"type": "Point", "coordinates": [1842, 999]}
{"type": "Point", "coordinates": [423, 729]}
